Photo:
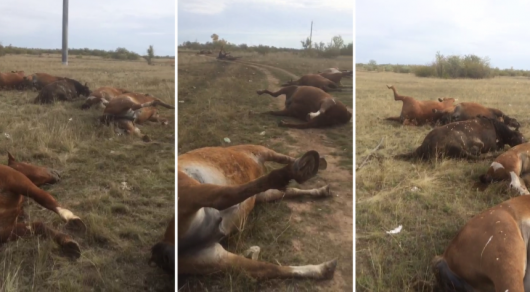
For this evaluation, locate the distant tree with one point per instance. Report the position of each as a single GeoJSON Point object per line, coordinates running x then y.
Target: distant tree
{"type": "Point", "coordinates": [337, 42]}
{"type": "Point", "coordinates": [150, 55]}
{"type": "Point", "coordinates": [347, 50]}
{"type": "Point", "coordinates": [306, 44]}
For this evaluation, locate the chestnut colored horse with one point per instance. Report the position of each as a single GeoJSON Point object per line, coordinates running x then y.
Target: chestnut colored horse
{"type": "Point", "coordinates": [16, 184]}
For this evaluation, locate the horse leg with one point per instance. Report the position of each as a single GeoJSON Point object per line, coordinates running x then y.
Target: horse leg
{"type": "Point", "coordinates": [235, 217]}
{"type": "Point", "coordinates": [67, 244]}
{"type": "Point", "coordinates": [157, 119]}
{"type": "Point", "coordinates": [130, 128]}
{"type": "Point", "coordinates": [324, 106]}
{"type": "Point", "coordinates": [313, 123]}
{"type": "Point", "coordinates": [215, 258]}
{"type": "Point", "coordinates": [223, 197]}
{"type": "Point", "coordinates": [288, 91]}
{"type": "Point", "coordinates": [273, 195]}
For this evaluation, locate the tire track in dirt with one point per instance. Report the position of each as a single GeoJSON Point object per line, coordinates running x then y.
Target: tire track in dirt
{"type": "Point", "coordinates": [342, 201]}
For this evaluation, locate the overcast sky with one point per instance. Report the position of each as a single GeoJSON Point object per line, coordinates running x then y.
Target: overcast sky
{"type": "Point", "coordinates": [94, 24]}
{"type": "Point", "coordinates": [411, 32]}
{"type": "Point", "coordinates": [268, 22]}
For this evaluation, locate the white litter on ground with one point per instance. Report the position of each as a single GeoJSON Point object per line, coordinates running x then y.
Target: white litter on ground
{"type": "Point", "coordinates": [396, 230]}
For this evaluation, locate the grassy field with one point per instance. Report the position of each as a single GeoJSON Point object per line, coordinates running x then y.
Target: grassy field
{"type": "Point", "coordinates": [215, 98]}
{"type": "Point", "coordinates": [121, 187]}
{"type": "Point", "coordinates": [431, 200]}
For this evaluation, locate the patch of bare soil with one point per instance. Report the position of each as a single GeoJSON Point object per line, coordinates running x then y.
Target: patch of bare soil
{"type": "Point", "coordinates": [339, 179]}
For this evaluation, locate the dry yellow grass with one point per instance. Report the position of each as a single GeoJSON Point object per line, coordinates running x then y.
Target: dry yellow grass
{"type": "Point", "coordinates": [217, 97]}
{"type": "Point", "coordinates": [122, 223]}
{"type": "Point", "coordinates": [446, 197]}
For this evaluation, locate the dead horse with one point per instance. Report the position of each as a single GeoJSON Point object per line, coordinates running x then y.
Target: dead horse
{"type": "Point", "coordinates": [14, 187]}
{"type": "Point", "coordinates": [217, 189]}
{"type": "Point", "coordinates": [512, 165]}
{"type": "Point", "coordinates": [490, 253]}
{"type": "Point", "coordinates": [163, 252]}
{"type": "Point", "coordinates": [466, 139]}
{"type": "Point", "coordinates": [314, 105]}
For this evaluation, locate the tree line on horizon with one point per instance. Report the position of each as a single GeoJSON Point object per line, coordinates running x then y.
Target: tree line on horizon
{"type": "Point", "coordinates": [118, 54]}
{"type": "Point", "coordinates": [335, 48]}
{"type": "Point", "coordinates": [447, 67]}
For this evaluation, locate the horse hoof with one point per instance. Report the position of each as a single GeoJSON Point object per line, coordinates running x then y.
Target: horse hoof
{"type": "Point", "coordinates": [328, 269]}
{"type": "Point", "coordinates": [75, 225]}
{"type": "Point", "coordinates": [71, 249]}
{"type": "Point", "coordinates": [323, 164]}
{"type": "Point", "coordinates": [305, 167]}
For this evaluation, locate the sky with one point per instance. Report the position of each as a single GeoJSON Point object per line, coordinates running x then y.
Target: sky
{"type": "Point", "coordinates": [412, 31]}
{"type": "Point", "coordinates": [95, 24]}
{"type": "Point", "coordinates": [275, 23]}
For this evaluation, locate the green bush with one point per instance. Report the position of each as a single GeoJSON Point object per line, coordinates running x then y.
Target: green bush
{"type": "Point", "coordinates": [425, 71]}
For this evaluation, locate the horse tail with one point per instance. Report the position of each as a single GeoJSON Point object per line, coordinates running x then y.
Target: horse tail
{"type": "Point", "coordinates": [446, 279]}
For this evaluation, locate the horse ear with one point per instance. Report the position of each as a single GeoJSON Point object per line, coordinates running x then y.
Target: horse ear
{"type": "Point", "coordinates": [10, 158]}
{"type": "Point", "coordinates": [440, 100]}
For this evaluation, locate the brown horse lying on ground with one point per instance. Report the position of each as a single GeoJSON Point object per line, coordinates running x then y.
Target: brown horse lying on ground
{"type": "Point", "coordinates": [315, 80]}
{"type": "Point", "coordinates": [129, 109]}
{"type": "Point", "coordinates": [468, 110]}
{"type": "Point", "coordinates": [15, 186]}
{"type": "Point", "coordinates": [217, 189]}
{"type": "Point", "coordinates": [102, 96]}
{"type": "Point", "coordinates": [336, 76]}
{"type": "Point", "coordinates": [311, 104]}
{"type": "Point", "coordinates": [40, 80]}
{"type": "Point", "coordinates": [510, 166]}
{"type": "Point", "coordinates": [62, 90]}
{"type": "Point", "coordinates": [466, 139]}
{"type": "Point", "coordinates": [490, 253]}
{"type": "Point", "coordinates": [163, 253]}
{"type": "Point", "coordinates": [419, 112]}
{"type": "Point", "coordinates": [12, 80]}
{"type": "Point", "coordinates": [37, 174]}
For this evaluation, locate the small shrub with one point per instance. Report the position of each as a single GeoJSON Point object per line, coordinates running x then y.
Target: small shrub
{"type": "Point", "coordinates": [425, 71]}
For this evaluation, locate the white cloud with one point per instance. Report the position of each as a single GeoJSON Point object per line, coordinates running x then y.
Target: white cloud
{"type": "Point", "coordinates": [486, 28]}
{"type": "Point", "coordinates": [33, 15]}
{"type": "Point", "coordinates": [210, 7]}
{"type": "Point", "coordinates": [95, 23]}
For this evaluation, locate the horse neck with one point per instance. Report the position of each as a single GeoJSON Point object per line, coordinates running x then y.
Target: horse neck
{"type": "Point", "coordinates": [502, 132]}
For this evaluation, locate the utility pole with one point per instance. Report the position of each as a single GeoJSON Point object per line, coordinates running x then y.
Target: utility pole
{"type": "Point", "coordinates": [310, 35]}
{"type": "Point", "coordinates": [65, 32]}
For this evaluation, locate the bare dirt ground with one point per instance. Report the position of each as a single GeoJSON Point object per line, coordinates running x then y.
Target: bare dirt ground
{"type": "Point", "coordinates": [325, 222]}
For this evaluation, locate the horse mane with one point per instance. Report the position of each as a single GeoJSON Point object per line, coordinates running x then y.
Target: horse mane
{"type": "Point", "coordinates": [78, 86]}
{"type": "Point", "coordinates": [501, 129]}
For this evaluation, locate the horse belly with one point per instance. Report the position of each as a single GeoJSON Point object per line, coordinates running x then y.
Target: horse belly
{"type": "Point", "coordinates": [204, 230]}
{"type": "Point", "coordinates": [10, 209]}
{"type": "Point", "coordinates": [205, 174]}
